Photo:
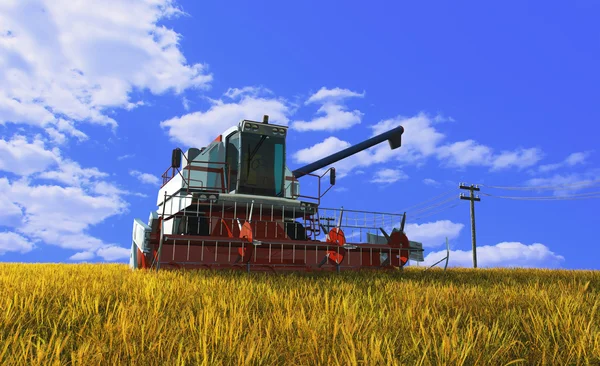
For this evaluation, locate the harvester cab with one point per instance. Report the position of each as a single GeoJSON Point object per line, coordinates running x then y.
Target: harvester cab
{"type": "Point", "coordinates": [235, 204]}
{"type": "Point", "coordinates": [254, 157]}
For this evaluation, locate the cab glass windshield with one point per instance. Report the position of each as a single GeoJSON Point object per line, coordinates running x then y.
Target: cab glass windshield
{"type": "Point", "coordinates": [262, 165]}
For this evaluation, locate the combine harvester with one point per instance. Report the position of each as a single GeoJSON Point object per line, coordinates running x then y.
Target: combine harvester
{"type": "Point", "coordinates": [235, 205]}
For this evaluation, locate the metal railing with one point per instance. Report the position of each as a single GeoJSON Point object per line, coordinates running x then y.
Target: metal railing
{"type": "Point", "coordinates": [282, 224]}
{"type": "Point", "coordinates": [355, 224]}
{"type": "Point", "coordinates": [320, 195]}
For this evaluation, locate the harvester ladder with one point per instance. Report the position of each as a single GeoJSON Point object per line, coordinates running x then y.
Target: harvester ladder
{"type": "Point", "coordinates": [313, 226]}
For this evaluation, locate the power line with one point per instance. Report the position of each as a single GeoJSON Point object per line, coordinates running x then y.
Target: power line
{"type": "Point", "coordinates": [550, 198]}
{"type": "Point", "coordinates": [426, 201]}
{"type": "Point", "coordinates": [423, 211]}
{"type": "Point", "coordinates": [435, 212]}
{"type": "Point", "coordinates": [555, 187]}
{"type": "Point", "coordinates": [420, 211]}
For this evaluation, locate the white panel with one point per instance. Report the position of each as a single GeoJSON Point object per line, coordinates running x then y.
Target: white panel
{"type": "Point", "coordinates": [141, 234]}
{"type": "Point", "coordinates": [174, 185]}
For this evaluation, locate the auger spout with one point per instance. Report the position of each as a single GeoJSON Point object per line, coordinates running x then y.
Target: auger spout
{"type": "Point", "coordinates": [394, 137]}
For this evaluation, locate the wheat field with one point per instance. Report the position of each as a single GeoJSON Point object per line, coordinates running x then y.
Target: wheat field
{"type": "Point", "coordinates": [105, 314]}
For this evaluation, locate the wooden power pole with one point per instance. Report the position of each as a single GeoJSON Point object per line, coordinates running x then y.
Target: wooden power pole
{"type": "Point", "coordinates": [471, 198]}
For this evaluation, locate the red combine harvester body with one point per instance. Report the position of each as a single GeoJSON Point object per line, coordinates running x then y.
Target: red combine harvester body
{"type": "Point", "coordinates": [235, 205]}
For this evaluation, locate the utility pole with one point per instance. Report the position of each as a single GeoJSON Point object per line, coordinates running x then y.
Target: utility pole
{"type": "Point", "coordinates": [471, 198]}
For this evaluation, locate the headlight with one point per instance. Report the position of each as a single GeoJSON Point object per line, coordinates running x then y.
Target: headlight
{"type": "Point", "coordinates": [248, 125]}
{"type": "Point", "coordinates": [255, 127]}
{"type": "Point", "coordinates": [281, 130]}
{"type": "Point", "coordinates": [275, 130]}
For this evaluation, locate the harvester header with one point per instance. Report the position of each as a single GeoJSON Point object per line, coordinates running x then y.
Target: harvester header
{"type": "Point", "coordinates": [235, 204]}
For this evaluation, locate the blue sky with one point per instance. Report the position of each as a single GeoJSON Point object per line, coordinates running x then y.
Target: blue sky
{"type": "Point", "coordinates": [93, 97]}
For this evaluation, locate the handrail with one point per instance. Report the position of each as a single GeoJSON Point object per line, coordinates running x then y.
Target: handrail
{"type": "Point", "coordinates": [320, 195]}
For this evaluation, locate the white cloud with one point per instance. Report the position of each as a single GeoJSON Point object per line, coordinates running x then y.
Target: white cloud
{"type": "Point", "coordinates": [107, 252]}
{"type": "Point", "coordinates": [549, 167]}
{"type": "Point", "coordinates": [318, 151]}
{"type": "Point", "coordinates": [440, 118]}
{"type": "Point", "coordinates": [562, 185]}
{"type": "Point", "coordinates": [59, 215]}
{"type": "Point", "coordinates": [332, 95]}
{"type": "Point", "coordinates": [109, 189]}
{"type": "Point", "coordinates": [21, 157]}
{"type": "Point", "coordinates": [433, 234]}
{"type": "Point", "coordinates": [11, 214]}
{"type": "Point", "coordinates": [334, 118]}
{"type": "Point", "coordinates": [254, 91]}
{"type": "Point", "coordinates": [131, 106]}
{"type": "Point", "coordinates": [421, 140]}
{"type": "Point", "coordinates": [465, 153]}
{"type": "Point", "coordinates": [126, 156]}
{"type": "Point", "coordinates": [145, 177]}
{"type": "Point", "coordinates": [76, 61]}
{"type": "Point", "coordinates": [576, 158]}
{"type": "Point", "coordinates": [571, 160]}
{"type": "Point", "coordinates": [506, 254]}
{"type": "Point", "coordinates": [82, 256]}
{"type": "Point", "coordinates": [71, 173]}
{"type": "Point", "coordinates": [113, 253]}
{"type": "Point", "coordinates": [519, 158]}
{"type": "Point", "coordinates": [55, 136]}
{"type": "Point", "coordinates": [186, 103]}
{"type": "Point", "coordinates": [470, 153]}
{"type": "Point", "coordinates": [61, 125]}
{"type": "Point", "coordinates": [198, 129]}
{"type": "Point", "coordinates": [431, 182]}
{"type": "Point", "coordinates": [389, 176]}
{"type": "Point", "coordinates": [334, 115]}
{"type": "Point", "coordinates": [13, 242]}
